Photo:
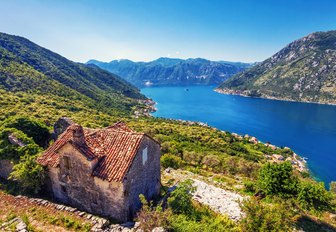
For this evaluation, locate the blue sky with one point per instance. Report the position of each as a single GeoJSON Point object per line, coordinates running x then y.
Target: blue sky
{"type": "Point", "coordinates": [237, 30]}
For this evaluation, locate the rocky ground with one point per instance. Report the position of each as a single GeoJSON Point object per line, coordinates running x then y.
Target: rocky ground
{"type": "Point", "coordinates": [221, 201]}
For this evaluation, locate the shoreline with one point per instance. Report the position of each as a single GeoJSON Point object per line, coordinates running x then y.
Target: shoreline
{"type": "Point", "coordinates": [298, 162]}
{"type": "Point", "coordinates": [233, 92]}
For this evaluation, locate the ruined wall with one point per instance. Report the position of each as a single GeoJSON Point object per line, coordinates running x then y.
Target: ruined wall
{"type": "Point", "coordinates": [6, 167]}
{"type": "Point", "coordinates": [79, 188]}
{"type": "Point", "coordinates": [143, 177]}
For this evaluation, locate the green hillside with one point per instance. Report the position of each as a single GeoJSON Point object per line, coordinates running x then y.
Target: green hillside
{"type": "Point", "coordinates": [27, 67]}
{"type": "Point", "coordinates": [305, 70]}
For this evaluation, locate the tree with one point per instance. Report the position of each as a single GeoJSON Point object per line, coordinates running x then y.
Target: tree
{"type": "Point", "coordinates": [180, 199]}
{"type": "Point", "coordinates": [263, 217]}
{"type": "Point", "coordinates": [29, 174]}
{"type": "Point", "coordinates": [314, 196]}
{"type": "Point", "coordinates": [13, 151]}
{"type": "Point", "coordinates": [31, 127]}
{"type": "Point", "coordinates": [278, 179]}
{"type": "Point", "coordinates": [169, 160]}
{"type": "Point", "coordinates": [151, 217]}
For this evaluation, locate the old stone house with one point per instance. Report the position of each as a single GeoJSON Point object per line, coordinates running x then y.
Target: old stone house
{"type": "Point", "coordinates": [103, 171]}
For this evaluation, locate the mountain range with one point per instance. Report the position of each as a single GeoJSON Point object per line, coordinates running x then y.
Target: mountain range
{"type": "Point", "coordinates": [304, 70]}
{"type": "Point", "coordinates": [172, 71]}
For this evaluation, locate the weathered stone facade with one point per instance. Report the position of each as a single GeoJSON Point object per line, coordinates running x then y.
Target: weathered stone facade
{"type": "Point", "coordinates": [73, 181]}
{"type": "Point", "coordinates": [144, 176]}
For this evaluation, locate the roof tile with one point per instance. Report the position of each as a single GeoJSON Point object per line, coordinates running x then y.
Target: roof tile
{"type": "Point", "coordinates": [114, 146]}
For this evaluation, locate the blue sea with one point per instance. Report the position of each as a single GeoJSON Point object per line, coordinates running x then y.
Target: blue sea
{"type": "Point", "coordinates": [309, 129]}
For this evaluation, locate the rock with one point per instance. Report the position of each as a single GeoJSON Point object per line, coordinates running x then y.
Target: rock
{"type": "Point", "coordinates": [61, 125]}
{"type": "Point", "coordinates": [15, 141]}
{"type": "Point", "coordinates": [159, 229]}
{"type": "Point", "coordinates": [21, 226]}
{"type": "Point", "coordinates": [81, 214]}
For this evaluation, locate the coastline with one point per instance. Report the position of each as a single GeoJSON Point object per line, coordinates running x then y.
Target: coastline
{"type": "Point", "coordinates": [298, 162]}
{"type": "Point", "coordinates": [239, 93]}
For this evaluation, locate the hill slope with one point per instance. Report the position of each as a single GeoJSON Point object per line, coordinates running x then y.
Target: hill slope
{"type": "Point", "coordinates": [168, 71]}
{"type": "Point", "coordinates": [27, 67]}
{"type": "Point", "coordinates": [305, 70]}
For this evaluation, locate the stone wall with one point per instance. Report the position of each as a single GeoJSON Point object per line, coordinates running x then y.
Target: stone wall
{"type": "Point", "coordinates": [77, 187]}
{"type": "Point", "coordinates": [143, 178]}
{"type": "Point", "coordinates": [6, 167]}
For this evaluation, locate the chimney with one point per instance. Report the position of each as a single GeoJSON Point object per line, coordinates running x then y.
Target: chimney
{"type": "Point", "coordinates": [78, 135]}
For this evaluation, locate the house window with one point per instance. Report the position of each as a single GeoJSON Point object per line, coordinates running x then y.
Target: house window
{"type": "Point", "coordinates": [144, 156]}
{"type": "Point", "coordinates": [66, 160]}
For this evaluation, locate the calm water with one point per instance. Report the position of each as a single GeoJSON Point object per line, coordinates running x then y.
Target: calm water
{"type": "Point", "coordinates": [309, 129]}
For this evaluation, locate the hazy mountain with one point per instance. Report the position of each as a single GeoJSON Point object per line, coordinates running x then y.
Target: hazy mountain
{"type": "Point", "coordinates": [172, 71]}
{"type": "Point", "coordinates": [305, 70]}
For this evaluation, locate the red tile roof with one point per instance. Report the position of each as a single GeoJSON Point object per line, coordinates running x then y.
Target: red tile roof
{"type": "Point", "coordinates": [114, 146]}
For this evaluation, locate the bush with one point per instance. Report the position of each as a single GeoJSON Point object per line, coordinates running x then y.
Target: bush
{"type": "Point", "coordinates": [213, 223]}
{"type": "Point", "coordinates": [211, 161]}
{"type": "Point", "coordinates": [314, 196]}
{"type": "Point", "coordinates": [261, 217]}
{"type": "Point", "coordinates": [180, 199]}
{"type": "Point", "coordinates": [333, 186]}
{"type": "Point", "coordinates": [192, 158]}
{"type": "Point", "coordinates": [169, 160]}
{"type": "Point", "coordinates": [14, 152]}
{"type": "Point", "coordinates": [277, 179]}
{"type": "Point", "coordinates": [151, 217]}
{"type": "Point", "coordinates": [29, 174]}
{"type": "Point", "coordinates": [31, 127]}
{"type": "Point", "coordinates": [250, 186]}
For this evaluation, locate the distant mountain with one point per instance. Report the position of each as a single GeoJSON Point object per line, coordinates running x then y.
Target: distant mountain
{"type": "Point", "coordinates": [305, 70]}
{"type": "Point", "coordinates": [169, 71]}
{"type": "Point", "coordinates": [27, 67]}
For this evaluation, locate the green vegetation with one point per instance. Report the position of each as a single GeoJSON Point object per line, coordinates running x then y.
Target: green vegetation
{"type": "Point", "coordinates": [29, 174]}
{"type": "Point", "coordinates": [183, 214]}
{"type": "Point", "coordinates": [265, 217]}
{"type": "Point", "coordinates": [278, 179]}
{"type": "Point", "coordinates": [38, 86]}
{"type": "Point", "coordinates": [302, 71]}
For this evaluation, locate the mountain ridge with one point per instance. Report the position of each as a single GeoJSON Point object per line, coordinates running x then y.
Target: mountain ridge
{"type": "Point", "coordinates": [173, 71]}
{"type": "Point", "coordinates": [304, 70]}
{"type": "Point", "coordinates": [26, 66]}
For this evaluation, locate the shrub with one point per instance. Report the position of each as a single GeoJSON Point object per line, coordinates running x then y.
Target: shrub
{"type": "Point", "coordinates": [314, 196]}
{"type": "Point", "coordinates": [169, 160]}
{"type": "Point", "coordinates": [151, 217]}
{"type": "Point", "coordinates": [262, 217]}
{"type": "Point", "coordinates": [29, 174]}
{"type": "Point", "coordinates": [250, 186]}
{"type": "Point", "coordinates": [31, 127]}
{"type": "Point", "coordinates": [192, 157]}
{"type": "Point", "coordinates": [14, 152]}
{"type": "Point", "coordinates": [180, 199]}
{"type": "Point", "coordinates": [213, 223]}
{"type": "Point", "coordinates": [333, 186]}
{"type": "Point", "coordinates": [211, 161]}
{"type": "Point", "coordinates": [277, 179]}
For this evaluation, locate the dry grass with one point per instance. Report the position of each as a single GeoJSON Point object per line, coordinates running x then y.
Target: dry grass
{"type": "Point", "coordinates": [40, 218]}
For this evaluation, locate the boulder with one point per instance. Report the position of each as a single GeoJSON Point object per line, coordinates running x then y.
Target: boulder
{"type": "Point", "coordinates": [15, 141]}
{"type": "Point", "coordinates": [61, 125]}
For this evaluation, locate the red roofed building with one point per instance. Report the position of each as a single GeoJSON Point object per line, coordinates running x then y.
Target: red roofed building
{"type": "Point", "coordinates": [103, 171]}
